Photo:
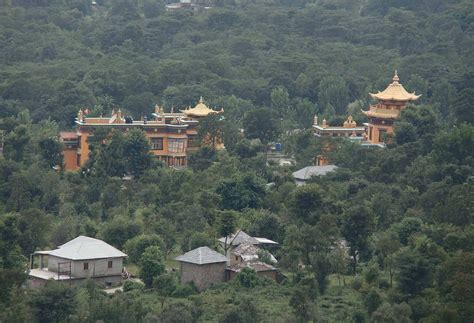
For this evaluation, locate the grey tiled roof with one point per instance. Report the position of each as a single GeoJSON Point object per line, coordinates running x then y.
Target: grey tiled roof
{"type": "Point", "coordinates": [307, 172]}
{"type": "Point", "coordinates": [83, 248]}
{"type": "Point", "coordinates": [201, 256]}
{"type": "Point", "coordinates": [239, 238]}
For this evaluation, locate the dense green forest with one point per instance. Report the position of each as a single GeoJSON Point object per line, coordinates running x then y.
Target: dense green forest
{"type": "Point", "coordinates": [405, 211]}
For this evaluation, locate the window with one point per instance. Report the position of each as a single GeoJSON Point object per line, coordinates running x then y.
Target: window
{"type": "Point", "coordinates": [110, 264]}
{"type": "Point", "coordinates": [86, 266]}
{"type": "Point", "coordinates": [156, 143]}
{"type": "Point", "coordinates": [176, 145]}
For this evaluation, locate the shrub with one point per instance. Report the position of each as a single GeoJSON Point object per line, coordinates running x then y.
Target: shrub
{"type": "Point", "coordinates": [132, 285]}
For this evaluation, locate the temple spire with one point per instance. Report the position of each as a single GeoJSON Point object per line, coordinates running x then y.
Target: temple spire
{"type": "Point", "coordinates": [395, 77]}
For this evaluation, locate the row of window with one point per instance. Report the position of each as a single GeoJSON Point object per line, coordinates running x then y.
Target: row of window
{"type": "Point", "coordinates": [174, 145]}
{"type": "Point", "coordinates": [109, 265]}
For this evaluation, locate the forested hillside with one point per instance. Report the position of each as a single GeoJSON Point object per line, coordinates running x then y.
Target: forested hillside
{"type": "Point", "coordinates": [404, 211]}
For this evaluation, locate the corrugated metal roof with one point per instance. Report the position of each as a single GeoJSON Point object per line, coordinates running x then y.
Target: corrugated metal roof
{"type": "Point", "coordinates": [83, 248]}
{"type": "Point", "coordinates": [265, 240]}
{"type": "Point", "coordinates": [309, 171]}
{"type": "Point", "coordinates": [201, 256]}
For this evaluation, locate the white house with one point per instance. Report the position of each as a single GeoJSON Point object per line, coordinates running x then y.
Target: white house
{"type": "Point", "coordinates": [76, 260]}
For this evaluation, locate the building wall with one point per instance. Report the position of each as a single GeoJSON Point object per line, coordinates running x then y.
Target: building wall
{"type": "Point", "coordinates": [203, 276]}
{"type": "Point", "coordinates": [234, 259]}
{"type": "Point", "coordinates": [54, 261]}
{"type": "Point", "coordinates": [374, 132]}
{"type": "Point", "coordinates": [83, 149]}
{"type": "Point", "coordinates": [171, 158]}
{"type": "Point", "coordinates": [97, 268]}
{"type": "Point", "coordinates": [70, 159]}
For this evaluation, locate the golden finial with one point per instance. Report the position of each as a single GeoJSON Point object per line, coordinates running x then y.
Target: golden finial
{"type": "Point", "coordinates": [395, 77]}
{"type": "Point", "coordinates": [201, 100]}
{"type": "Point", "coordinates": [325, 123]}
{"type": "Point", "coordinates": [315, 120]}
{"type": "Point", "coordinates": [157, 109]}
{"type": "Point", "coordinates": [80, 115]}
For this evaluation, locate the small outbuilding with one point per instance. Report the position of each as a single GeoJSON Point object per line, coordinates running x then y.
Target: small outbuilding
{"type": "Point", "coordinates": [203, 266]}
{"type": "Point", "coordinates": [76, 260]}
{"type": "Point", "coordinates": [261, 269]}
{"type": "Point", "coordinates": [240, 237]}
{"type": "Point", "coordinates": [304, 174]}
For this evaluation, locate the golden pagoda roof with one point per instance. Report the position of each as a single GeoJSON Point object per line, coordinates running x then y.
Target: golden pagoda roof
{"type": "Point", "coordinates": [395, 92]}
{"type": "Point", "coordinates": [200, 110]}
{"type": "Point", "coordinates": [382, 113]}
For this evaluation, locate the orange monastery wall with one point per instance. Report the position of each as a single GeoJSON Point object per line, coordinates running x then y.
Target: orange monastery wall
{"type": "Point", "coordinates": [171, 135]}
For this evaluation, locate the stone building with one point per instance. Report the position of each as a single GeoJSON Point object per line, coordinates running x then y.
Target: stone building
{"type": "Point", "coordinates": [76, 260]}
{"type": "Point", "coordinates": [203, 266]}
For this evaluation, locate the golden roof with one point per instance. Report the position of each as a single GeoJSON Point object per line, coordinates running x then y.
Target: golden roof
{"type": "Point", "coordinates": [382, 113]}
{"type": "Point", "coordinates": [395, 92]}
{"type": "Point", "coordinates": [200, 110]}
{"type": "Point", "coordinates": [350, 123]}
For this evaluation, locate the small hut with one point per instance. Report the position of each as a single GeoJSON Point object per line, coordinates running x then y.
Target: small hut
{"type": "Point", "coordinates": [203, 266]}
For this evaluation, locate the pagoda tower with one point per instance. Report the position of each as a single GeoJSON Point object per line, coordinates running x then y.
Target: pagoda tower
{"type": "Point", "coordinates": [382, 115]}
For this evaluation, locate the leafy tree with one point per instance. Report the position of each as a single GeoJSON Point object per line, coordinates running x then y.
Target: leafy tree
{"type": "Point", "coordinates": [407, 227]}
{"type": "Point", "coordinates": [211, 129]}
{"type": "Point", "coordinates": [462, 106]}
{"type": "Point", "coordinates": [202, 159]}
{"type": "Point", "coordinates": [136, 246]}
{"type": "Point", "coordinates": [307, 203]}
{"type": "Point", "coordinates": [227, 225]}
{"type": "Point", "coordinates": [165, 284]}
{"type": "Point", "coordinates": [119, 230]}
{"type": "Point", "coordinates": [53, 303]}
{"type": "Point", "coordinates": [357, 224]}
{"type": "Point", "coordinates": [280, 100]}
{"type": "Point", "coordinates": [392, 313]}
{"type": "Point", "coordinates": [241, 192]}
{"type": "Point", "coordinates": [301, 304]}
{"type": "Point", "coordinates": [128, 9]}
{"type": "Point", "coordinates": [386, 244]}
{"type": "Point", "coordinates": [373, 300]}
{"type": "Point", "coordinates": [177, 313]}
{"type": "Point", "coordinates": [108, 159]}
{"type": "Point", "coordinates": [414, 272]}
{"type": "Point", "coordinates": [332, 92]}
{"type": "Point", "coordinates": [248, 278]}
{"type": "Point", "coordinates": [151, 265]}
{"type": "Point", "coordinates": [51, 151]}
{"type": "Point", "coordinates": [246, 312]}
{"type": "Point", "coordinates": [137, 151]}
{"type": "Point", "coordinates": [261, 123]}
